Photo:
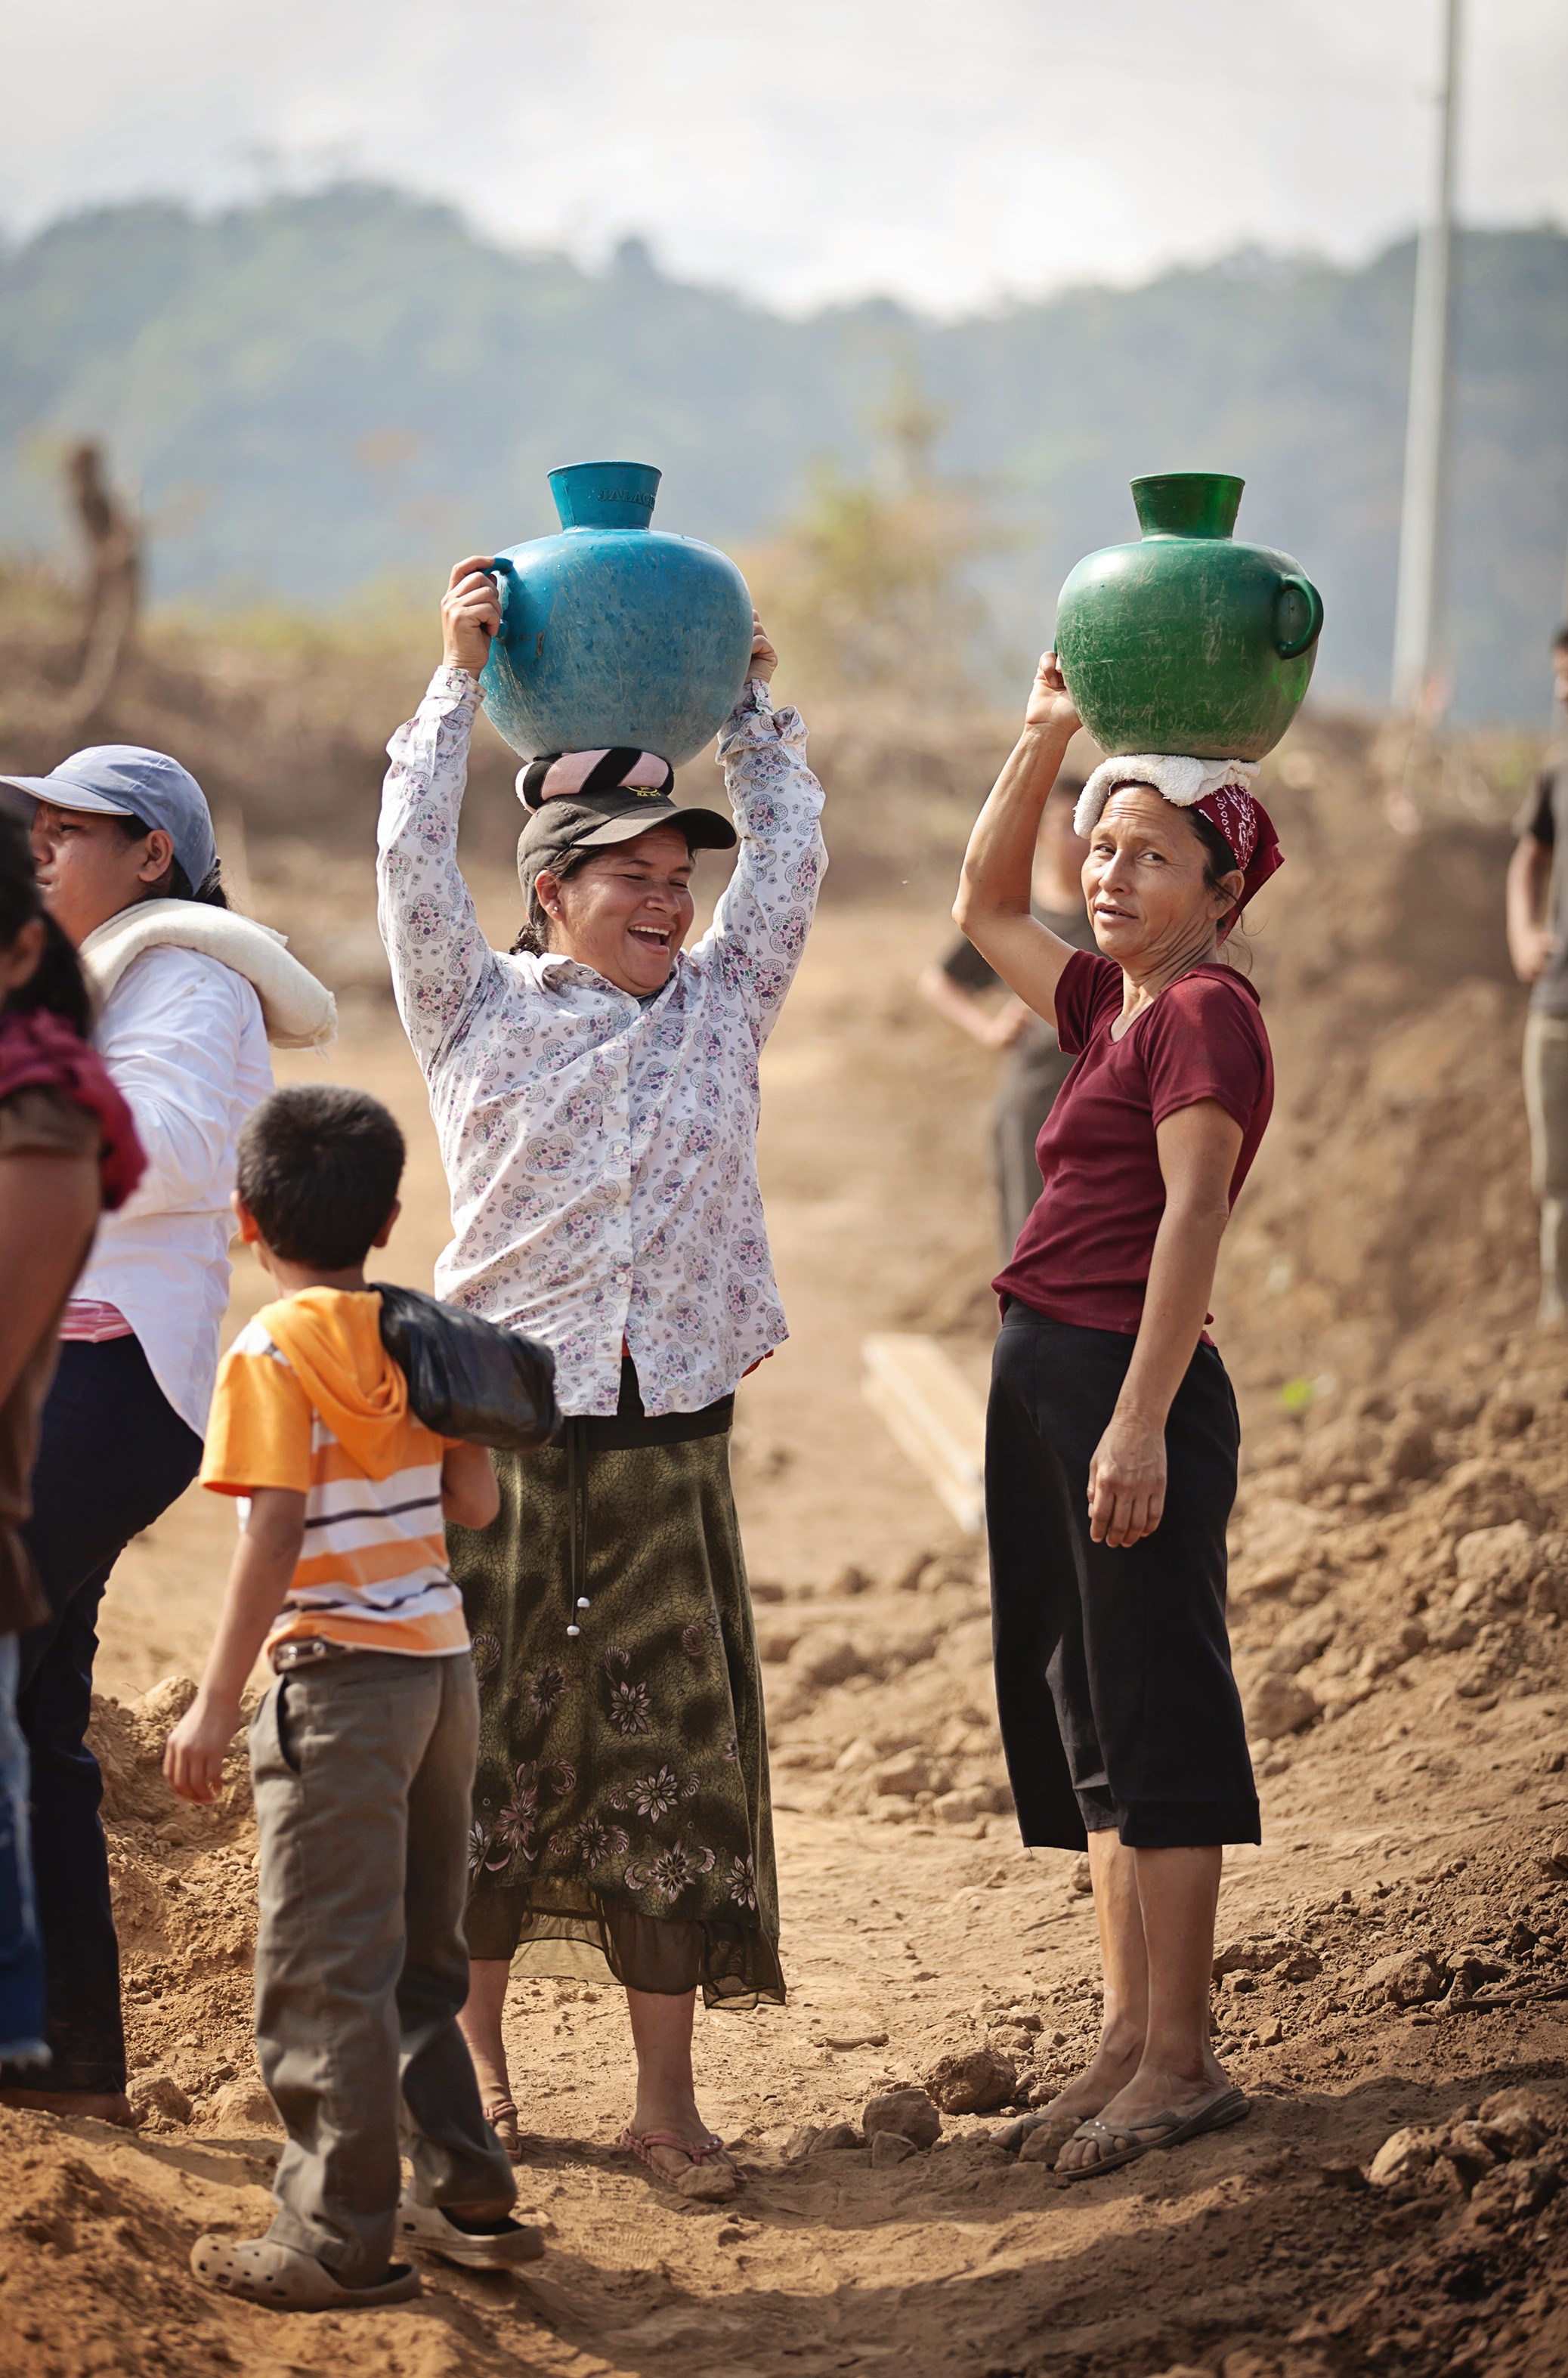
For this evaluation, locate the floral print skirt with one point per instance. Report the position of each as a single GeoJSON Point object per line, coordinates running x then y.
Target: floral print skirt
{"type": "Point", "coordinates": [621, 1809]}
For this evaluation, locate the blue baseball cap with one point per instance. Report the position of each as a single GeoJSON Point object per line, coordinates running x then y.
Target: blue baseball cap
{"type": "Point", "coordinates": [125, 780]}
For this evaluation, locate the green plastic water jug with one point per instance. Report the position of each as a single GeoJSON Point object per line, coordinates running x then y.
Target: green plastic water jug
{"type": "Point", "coordinates": [1188, 642]}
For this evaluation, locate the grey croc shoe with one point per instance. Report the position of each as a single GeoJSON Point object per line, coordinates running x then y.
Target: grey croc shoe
{"type": "Point", "coordinates": [260, 2271]}
{"type": "Point", "coordinates": [488, 2246]}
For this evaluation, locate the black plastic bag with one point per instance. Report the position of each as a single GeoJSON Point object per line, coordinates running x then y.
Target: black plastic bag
{"type": "Point", "coordinates": [466, 1378]}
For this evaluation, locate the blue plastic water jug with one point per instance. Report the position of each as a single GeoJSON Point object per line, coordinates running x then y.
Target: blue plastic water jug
{"type": "Point", "coordinates": [614, 633]}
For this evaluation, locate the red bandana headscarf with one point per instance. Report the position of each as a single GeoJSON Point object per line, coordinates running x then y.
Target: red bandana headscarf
{"type": "Point", "coordinates": [1249, 833]}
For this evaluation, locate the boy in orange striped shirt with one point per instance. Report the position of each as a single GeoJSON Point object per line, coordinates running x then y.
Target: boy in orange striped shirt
{"type": "Point", "coordinates": [362, 1754]}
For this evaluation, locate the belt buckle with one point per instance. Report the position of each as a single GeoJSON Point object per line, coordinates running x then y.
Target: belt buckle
{"type": "Point", "coordinates": [302, 1652]}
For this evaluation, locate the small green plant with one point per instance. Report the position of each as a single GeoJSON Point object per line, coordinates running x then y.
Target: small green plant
{"type": "Point", "coordinates": [867, 587]}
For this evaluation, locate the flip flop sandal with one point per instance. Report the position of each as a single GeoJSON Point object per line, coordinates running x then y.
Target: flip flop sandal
{"type": "Point", "coordinates": [713, 2179]}
{"type": "Point", "coordinates": [477, 2245]}
{"type": "Point", "coordinates": [1112, 2137]}
{"type": "Point", "coordinates": [260, 2271]}
{"type": "Point", "coordinates": [502, 2118]}
{"type": "Point", "coordinates": [1217, 2115]}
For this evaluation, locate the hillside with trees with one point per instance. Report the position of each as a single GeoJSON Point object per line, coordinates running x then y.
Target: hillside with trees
{"type": "Point", "coordinates": [326, 396]}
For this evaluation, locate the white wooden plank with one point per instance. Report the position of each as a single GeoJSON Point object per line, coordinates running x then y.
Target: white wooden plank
{"type": "Point", "coordinates": [933, 1415]}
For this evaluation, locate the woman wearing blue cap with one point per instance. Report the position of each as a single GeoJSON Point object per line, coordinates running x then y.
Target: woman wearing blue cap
{"type": "Point", "coordinates": [188, 998]}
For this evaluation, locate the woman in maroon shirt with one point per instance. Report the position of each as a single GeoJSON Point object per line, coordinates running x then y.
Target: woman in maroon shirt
{"type": "Point", "coordinates": [1112, 1437]}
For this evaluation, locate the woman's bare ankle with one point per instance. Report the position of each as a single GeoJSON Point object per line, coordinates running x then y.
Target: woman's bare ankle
{"type": "Point", "coordinates": [495, 2086]}
{"type": "Point", "coordinates": [1118, 2054]}
{"type": "Point", "coordinates": [1177, 2070]}
{"type": "Point", "coordinates": [675, 2110]}
{"type": "Point", "coordinates": [1110, 2069]}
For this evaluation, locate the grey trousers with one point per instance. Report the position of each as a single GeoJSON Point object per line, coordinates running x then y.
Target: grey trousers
{"type": "Point", "coordinates": [362, 1769]}
{"type": "Point", "coordinates": [1545, 1103]}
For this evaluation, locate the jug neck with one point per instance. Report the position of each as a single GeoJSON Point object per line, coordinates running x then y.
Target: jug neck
{"type": "Point", "coordinates": [1188, 503]}
{"type": "Point", "coordinates": [604, 495]}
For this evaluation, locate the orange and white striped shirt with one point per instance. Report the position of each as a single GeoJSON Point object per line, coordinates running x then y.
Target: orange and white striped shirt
{"type": "Point", "coordinates": [308, 1398]}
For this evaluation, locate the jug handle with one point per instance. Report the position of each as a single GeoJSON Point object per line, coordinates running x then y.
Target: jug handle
{"type": "Point", "coordinates": [1289, 648]}
{"type": "Point", "coordinates": [501, 571]}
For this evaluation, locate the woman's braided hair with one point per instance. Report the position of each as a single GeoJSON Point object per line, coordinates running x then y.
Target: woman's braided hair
{"type": "Point", "coordinates": [1219, 859]}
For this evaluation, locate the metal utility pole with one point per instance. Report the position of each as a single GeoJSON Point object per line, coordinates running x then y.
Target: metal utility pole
{"type": "Point", "coordinates": [1420, 519]}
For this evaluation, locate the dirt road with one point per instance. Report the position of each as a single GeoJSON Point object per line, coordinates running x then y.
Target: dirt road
{"type": "Point", "coordinates": [1392, 1952]}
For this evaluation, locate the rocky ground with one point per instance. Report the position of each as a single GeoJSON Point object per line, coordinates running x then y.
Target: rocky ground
{"type": "Point", "coordinates": [1392, 1987]}
{"type": "Point", "coordinates": [1391, 1990]}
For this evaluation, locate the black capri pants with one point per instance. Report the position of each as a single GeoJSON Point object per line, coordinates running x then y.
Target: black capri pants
{"type": "Point", "coordinates": [1114, 1683]}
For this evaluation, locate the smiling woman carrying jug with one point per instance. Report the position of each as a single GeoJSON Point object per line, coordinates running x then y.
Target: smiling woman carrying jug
{"type": "Point", "coordinates": [595, 1092]}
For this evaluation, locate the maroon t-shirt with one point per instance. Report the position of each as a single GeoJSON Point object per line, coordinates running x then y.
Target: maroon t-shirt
{"type": "Point", "coordinates": [1084, 1255]}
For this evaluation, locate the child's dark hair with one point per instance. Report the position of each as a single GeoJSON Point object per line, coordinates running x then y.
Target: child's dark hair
{"type": "Point", "coordinates": [319, 1166]}
{"type": "Point", "coordinates": [175, 883]}
{"type": "Point", "coordinates": [56, 984]}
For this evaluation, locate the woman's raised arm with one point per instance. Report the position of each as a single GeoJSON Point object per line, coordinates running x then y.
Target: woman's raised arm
{"type": "Point", "coordinates": [994, 890]}
{"type": "Point", "coordinates": [440, 960]}
{"type": "Point", "coordinates": [765, 911]}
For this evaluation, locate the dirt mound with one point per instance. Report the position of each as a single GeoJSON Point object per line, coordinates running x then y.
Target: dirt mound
{"type": "Point", "coordinates": [98, 2229]}
{"type": "Point", "coordinates": [1395, 1961]}
{"type": "Point", "coordinates": [1397, 1967]}
{"type": "Point", "coordinates": [1373, 1548]}
{"type": "Point", "coordinates": [184, 1883]}
{"type": "Point", "coordinates": [1388, 1230]}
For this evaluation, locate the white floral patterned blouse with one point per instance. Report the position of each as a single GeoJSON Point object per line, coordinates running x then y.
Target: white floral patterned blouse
{"type": "Point", "coordinates": [600, 1150]}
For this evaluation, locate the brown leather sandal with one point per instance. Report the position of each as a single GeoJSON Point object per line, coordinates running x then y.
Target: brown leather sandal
{"type": "Point", "coordinates": [501, 2115]}
{"type": "Point", "coordinates": [713, 2178]}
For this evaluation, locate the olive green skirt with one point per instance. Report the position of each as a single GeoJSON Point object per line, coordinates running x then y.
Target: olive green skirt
{"type": "Point", "coordinates": [621, 1809]}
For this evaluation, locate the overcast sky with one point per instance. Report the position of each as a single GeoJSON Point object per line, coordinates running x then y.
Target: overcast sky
{"type": "Point", "coordinates": [946, 152]}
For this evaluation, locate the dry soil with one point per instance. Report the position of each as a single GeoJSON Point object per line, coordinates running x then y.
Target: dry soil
{"type": "Point", "coordinates": [1394, 1959]}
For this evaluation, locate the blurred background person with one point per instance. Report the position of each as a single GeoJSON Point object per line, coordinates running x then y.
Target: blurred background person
{"type": "Point", "coordinates": [68, 1146]}
{"type": "Point", "coordinates": [1539, 948]}
{"type": "Point", "coordinates": [957, 986]}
